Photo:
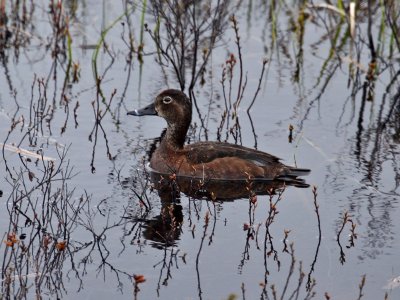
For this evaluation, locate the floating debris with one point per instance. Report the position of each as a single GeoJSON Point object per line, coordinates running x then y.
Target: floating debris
{"type": "Point", "coordinates": [25, 152]}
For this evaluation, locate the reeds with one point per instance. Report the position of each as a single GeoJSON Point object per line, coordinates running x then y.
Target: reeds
{"type": "Point", "coordinates": [182, 31]}
{"type": "Point", "coordinates": [182, 37]}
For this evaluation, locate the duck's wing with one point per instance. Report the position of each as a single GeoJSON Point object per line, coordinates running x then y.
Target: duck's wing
{"type": "Point", "coordinates": [204, 152]}
{"type": "Point", "coordinates": [209, 152]}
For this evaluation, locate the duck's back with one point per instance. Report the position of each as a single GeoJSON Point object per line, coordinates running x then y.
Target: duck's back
{"type": "Point", "coordinates": [204, 152]}
{"type": "Point", "coordinates": [222, 161]}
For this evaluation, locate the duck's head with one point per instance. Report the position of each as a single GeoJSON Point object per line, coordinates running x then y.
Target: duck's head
{"type": "Point", "coordinates": [175, 107]}
{"type": "Point", "coordinates": [172, 105]}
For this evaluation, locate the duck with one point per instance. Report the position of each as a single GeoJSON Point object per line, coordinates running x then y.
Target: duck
{"type": "Point", "coordinates": [208, 160]}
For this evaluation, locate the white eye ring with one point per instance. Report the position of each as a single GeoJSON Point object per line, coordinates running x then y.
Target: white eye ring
{"type": "Point", "coordinates": [167, 100]}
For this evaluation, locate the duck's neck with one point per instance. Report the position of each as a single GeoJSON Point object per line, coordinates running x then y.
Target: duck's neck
{"type": "Point", "coordinates": [175, 136]}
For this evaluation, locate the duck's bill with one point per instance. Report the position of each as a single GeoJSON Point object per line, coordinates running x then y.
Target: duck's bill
{"type": "Point", "coordinates": [146, 111]}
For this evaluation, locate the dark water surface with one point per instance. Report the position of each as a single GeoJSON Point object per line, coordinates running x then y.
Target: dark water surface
{"type": "Point", "coordinates": [88, 224]}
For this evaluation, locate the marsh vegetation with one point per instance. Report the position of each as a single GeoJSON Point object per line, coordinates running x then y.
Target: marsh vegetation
{"type": "Point", "coordinates": [316, 83]}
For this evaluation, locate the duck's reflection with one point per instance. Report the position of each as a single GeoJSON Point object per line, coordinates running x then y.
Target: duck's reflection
{"type": "Point", "coordinates": [165, 229]}
{"type": "Point", "coordinates": [169, 187]}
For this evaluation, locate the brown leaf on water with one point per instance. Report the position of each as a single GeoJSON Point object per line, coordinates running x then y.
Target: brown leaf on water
{"type": "Point", "coordinates": [8, 243]}
{"type": "Point", "coordinates": [60, 246]}
{"type": "Point", "coordinates": [139, 278]}
{"type": "Point", "coordinates": [11, 239]}
{"type": "Point", "coordinates": [31, 175]}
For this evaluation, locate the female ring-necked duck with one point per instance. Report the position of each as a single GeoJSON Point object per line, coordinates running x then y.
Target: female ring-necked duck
{"type": "Point", "coordinates": [208, 160]}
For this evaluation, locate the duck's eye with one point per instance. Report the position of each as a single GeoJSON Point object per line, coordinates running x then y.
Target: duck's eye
{"type": "Point", "coordinates": [167, 100]}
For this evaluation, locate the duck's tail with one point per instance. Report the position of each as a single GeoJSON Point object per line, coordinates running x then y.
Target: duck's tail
{"type": "Point", "coordinates": [291, 177]}
{"type": "Point", "coordinates": [298, 171]}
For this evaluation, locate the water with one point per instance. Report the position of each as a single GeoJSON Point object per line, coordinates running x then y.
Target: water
{"type": "Point", "coordinates": [209, 255]}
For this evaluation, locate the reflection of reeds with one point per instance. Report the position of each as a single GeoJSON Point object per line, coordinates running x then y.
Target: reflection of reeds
{"type": "Point", "coordinates": [373, 45]}
{"type": "Point", "coordinates": [392, 15]}
{"type": "Point", "coordinates": [352, 236]}
{"type": "Point", "coordinates": [231, 102]}
{"type": "Point", "coordinates": [42, 220]}
{"type": "Point", "coordinates": [15, 18]}
{"type": "Point", "coordinates": [98, 127]}
{"type": "Point", "coordinates": [101, 42]}
{"type": "Point", "coordinates": [316, 206]}
{"type": "Point", "coordinates": [182, 31]}
{"type": "Point", "coordinates": [141, 45]}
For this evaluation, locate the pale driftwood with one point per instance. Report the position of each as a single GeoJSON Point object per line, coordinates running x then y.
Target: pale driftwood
{"type": "Point", "coordinates": [24, 152]}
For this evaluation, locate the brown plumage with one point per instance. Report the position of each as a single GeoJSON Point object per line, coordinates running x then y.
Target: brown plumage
{"type": "Point", "coordinates": [208, 160]}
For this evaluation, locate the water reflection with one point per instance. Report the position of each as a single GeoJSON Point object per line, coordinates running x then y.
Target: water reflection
{"type": "Point", "coordinates": [164, 229]}
{"type": "Point", "coordinates": [169, 186]}
{"type": "Point", "coordinates": [373, 158]}
{"type": "Point", "coordinates": [320, 56]}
